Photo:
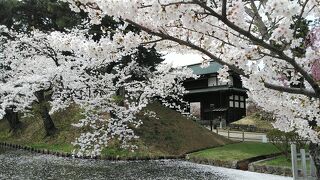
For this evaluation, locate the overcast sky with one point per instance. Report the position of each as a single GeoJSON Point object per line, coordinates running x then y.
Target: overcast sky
{"type": "Point", "coordinates": [182, 59]}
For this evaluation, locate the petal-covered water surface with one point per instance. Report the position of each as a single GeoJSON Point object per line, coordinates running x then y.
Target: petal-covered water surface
{"type": "Point", "coordinates": [19, 164]}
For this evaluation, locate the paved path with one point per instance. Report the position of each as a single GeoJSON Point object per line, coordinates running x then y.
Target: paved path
{"type": "Point", "coordinates": [238, 135]}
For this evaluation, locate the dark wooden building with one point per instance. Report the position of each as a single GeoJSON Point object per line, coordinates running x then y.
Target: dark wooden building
{"type": "Point", "coordinates": [216, 100]}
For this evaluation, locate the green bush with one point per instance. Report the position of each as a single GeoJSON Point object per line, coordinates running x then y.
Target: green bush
{"type": "Point", "coordinates": [118, 99]}
{"type": "Point", "coordinates": [283, 140]}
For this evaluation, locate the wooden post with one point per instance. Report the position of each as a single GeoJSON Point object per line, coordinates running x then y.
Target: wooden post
{"type": "Point", "coordinates": [304, 163]}
{"type": "Point", "coordinates": [228, 134]}
{"type": "Point", "coordinates": [294, 162]}
{"type": "Point", "coordinates": [312, 168]}
{"type": "Point", "coordinates": [211, 124]}
{"type": "Point", "coordinates": [242, 135]}
{"type": "Point", "coordinates": [217, 130]}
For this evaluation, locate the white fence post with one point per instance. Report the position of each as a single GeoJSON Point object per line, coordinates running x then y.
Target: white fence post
{"type": "Point", "coordinates": [304, 163]}
{"type": "Point", "coordinates": [264, 138]}
{"type": "Point", "coordinates": [294, 161]}
{"type": "Point", "coordinates": [312, 168]}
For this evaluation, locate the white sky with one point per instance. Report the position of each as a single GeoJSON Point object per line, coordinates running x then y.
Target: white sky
{"type": "Point", "coordinates": [182, 59]}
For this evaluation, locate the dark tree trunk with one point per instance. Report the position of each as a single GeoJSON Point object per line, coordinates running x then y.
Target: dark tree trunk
{"type": "Point", "coordinates": [47, 120]}
{"type": "Point", "coordinates": [13, 119]}
{"type": "Point", "coordinates": [44, 112]}
{"type": "Point", "coordinates": [315, 153]}
{"type": "Point", "coordinates": [121, 92]}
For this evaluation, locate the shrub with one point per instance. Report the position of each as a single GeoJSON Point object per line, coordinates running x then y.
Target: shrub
{"type": "Point", "coordinates": [283, 140]}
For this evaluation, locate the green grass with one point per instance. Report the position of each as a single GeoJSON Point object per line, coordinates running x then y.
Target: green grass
{"type": "Point", "coordinates": [238, 151]}
{"type": "Point", "coordinates": [282, 161]}
{"type": "Point", "coordinates": [67, 147]}
{"type": "Point", "coordinates": [125, 153]}
{"type": "Point", "coordinates": [32, 132]}
{"type": "Point", "coordinates": [168, 134]}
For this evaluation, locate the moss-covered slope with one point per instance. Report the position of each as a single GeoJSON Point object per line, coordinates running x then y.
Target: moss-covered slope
{"type": "Point", "coordinates": [170, 133]}
{"type": "Point", "coordinates": [255, 120]}
{"type": "Point", "coordinates": [173, 133]}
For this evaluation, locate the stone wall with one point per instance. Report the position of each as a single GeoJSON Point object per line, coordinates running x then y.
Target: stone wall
{"type": "Point", "coordinates": [220, 163]}
{"type": "Point", "coordinates": [64, 154]}
{"type": "Point", "coordinates": [283, 171]}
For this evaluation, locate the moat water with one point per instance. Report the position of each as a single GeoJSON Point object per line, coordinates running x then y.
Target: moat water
{"type": "Point", "coordinates": [23, 165]}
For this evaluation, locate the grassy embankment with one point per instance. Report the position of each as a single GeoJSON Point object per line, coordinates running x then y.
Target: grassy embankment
{"type": "Point", "coordinates": [238, 151]}
{"type": "Point", "coordinates": [255, 120]}
{"type": "Point", "coordinates": [168, 134]}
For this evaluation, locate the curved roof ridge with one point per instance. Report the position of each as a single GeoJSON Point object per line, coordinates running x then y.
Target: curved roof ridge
{"type": "Point", "coordinates": [212, 68]}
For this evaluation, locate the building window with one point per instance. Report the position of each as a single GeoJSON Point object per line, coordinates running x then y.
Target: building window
{"type": "Point", "coordinates": [236, 101]}
{"type": "Point", "coordinates": [242, 105]}
{"type": "Point", "coordinates": [212, 81]}
{"type": "Point", "coordinates": [230, 103]}
{"type": "Point", "coordinates": [230, 81]}
{"type": "Point", "coordinates": [236, 104]}
{"type": "Point", "coordinates": [220, 83]}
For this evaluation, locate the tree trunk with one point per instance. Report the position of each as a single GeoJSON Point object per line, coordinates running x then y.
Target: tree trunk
{"type": "Point", "coordinates": [13, 119]}
{"type": "Point", "coordinates": [44, 112]}
{"type": "Point", "coordinates": [47, 121]}
{"type": "Point", "coordinates": [315, 153]}
{"type": "Point", "coordinates": [121, 92]}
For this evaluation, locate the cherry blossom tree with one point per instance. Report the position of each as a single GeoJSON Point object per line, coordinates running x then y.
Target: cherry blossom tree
{"type": "Point", "coordinates": [31, 70]}
{"type": "Point", "coordinates": [163, 83]}
{"type": "Point", "coordinates": [72, 67]}
{"type": "Point", "coordinates": [260, 40]}
{"type": "Point", "coordinates": [263, 41]}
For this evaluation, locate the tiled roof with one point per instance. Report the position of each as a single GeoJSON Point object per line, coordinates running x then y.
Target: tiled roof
{"type": "Point", "coordinates": [212, 68]}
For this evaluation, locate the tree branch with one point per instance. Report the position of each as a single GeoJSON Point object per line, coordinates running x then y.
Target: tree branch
{"type": "Point", "coordinates": [291, 90]}
{"type": "Point", "coordinates": [188, 44]}
{"type": "Point", "coordinates": [254, 14]}
{"type": "Point", "coordinates": [224, 8]}
{"type": "Point", "coordinates": [299, 18]}
{"type": "Point", "coordinates": [262, 43]}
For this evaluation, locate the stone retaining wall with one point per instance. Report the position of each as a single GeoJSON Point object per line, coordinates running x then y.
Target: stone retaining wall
{"type": "Point", "coordinates": [220, 163]}
{"type": "Point", "coordinates": [241, 164]}
{"type": "Point", "coordinates": [283, 171]}
{"type": "Point", "coordinates": [70, 155]}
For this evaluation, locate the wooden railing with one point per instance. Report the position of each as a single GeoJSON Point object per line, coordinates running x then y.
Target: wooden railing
{"type": "Point", "coordinates": [242, 135]}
